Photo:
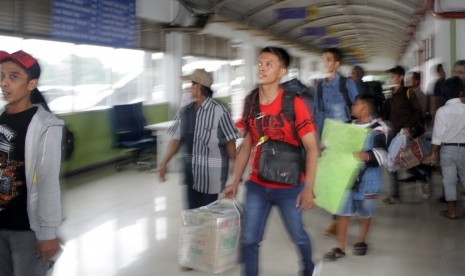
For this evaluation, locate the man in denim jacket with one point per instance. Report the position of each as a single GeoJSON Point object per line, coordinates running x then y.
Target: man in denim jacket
{"type": "Point", "coordinates": [332, 103]}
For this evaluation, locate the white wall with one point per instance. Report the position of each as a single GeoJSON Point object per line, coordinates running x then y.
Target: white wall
{"type": "Point", "coordinates": [460, 24]}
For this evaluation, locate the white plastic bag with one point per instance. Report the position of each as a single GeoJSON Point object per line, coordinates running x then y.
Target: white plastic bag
{"type": "Point", "coordinates": [210, 236]}
{"type": "Point", "coordinates": [398, 143]}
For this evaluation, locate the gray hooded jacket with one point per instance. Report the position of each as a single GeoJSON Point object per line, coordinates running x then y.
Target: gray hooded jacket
{"type": "Point", "coordinates": [42, 165]}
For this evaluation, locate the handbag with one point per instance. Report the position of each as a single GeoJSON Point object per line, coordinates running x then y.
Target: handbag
{"type": "Point", "coordinates": [280, 162]}
{"type": "Point", "coordinates": [412, 155]}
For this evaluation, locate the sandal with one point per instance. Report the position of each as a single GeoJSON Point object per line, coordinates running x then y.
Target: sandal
{"type": "Point", "coordinates": [445, 213]}
{"type": "Point", "coordinates": [360, 249]}
{"type": "Point", "coordinates": [334, 254]}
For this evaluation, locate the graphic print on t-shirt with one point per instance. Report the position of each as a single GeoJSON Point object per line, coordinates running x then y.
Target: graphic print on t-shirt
{"type": "Point", "coordinates": [9, 182]}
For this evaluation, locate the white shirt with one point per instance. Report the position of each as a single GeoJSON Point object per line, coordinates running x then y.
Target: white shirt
{"type": "Point", "coordinates": [449, 124]}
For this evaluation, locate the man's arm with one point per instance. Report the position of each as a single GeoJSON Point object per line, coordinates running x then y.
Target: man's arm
{"type": "Point", "coordinates": [310, 143]}
{"type": "Point", "coordinates": [49, 211]}
{"type": "Point", "coordinates": [242, 159]}
{"type": "Point", "coordinates": [417, 112]}
{"type": "Point", "coordinates": [173, 147]}
{"type": "Point", "coordinates": [231, 149]}
{"type": "Point", "coordinates": [435, 155]}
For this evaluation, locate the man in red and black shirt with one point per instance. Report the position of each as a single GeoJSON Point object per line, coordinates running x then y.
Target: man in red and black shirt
{"type": "Point", "coordinates": [261, 194]}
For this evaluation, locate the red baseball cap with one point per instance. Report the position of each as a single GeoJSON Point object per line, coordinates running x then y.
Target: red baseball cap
{"type": "Point", "coordinates": [23, 59]}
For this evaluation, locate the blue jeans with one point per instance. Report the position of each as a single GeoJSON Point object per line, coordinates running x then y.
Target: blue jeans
{"type": "Point", "coordinates": [259, 200]}
{"type": "Point", "coordinates": [452, 164]}
{"type": "Point", "coordinates": [18, 254]}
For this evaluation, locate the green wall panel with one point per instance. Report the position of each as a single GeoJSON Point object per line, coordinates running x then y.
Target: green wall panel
{"type": "Point", "coordinates": [93, 139]}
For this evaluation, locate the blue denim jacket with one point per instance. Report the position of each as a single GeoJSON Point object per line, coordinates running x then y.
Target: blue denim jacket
{"type": "Point", "coordinates": [372, 178]}
{"type": "Point", "coordinates": [333, 101]}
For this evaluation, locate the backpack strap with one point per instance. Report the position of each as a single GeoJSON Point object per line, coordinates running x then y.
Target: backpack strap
{"type": "Point", "coordinates": [251, 108]}
{"type": "Point", "coordinates": [344, 91]}
{"type": "Point", "coordinates": [319, 87]}
{"type": "Point", "coordinates": [288, 110]}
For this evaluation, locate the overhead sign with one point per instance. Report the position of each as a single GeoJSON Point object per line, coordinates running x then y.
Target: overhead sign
{"type": "Point", "coordinates": [315, 31]}
{"type": "Point", "coordinates": [331, 41]}
{"type": "Point", "coordinates": [290, 13]}
{"type": "Point", "coordinates": [296, 13]}
{"type": "Point", "coordinates": [102, 22]}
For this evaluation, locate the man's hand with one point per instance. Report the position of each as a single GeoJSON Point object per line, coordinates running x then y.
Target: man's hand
{"type": "Point", "coordinates": [434, 159]}
{"type": "Point", "coordinates": [230, 191]}
{"type": "Point", "coordinates": [305, 199]}
{"type": "Point", "coordinates": [46, 249]}
{"type": "Point", "coordinates": [162, 172]}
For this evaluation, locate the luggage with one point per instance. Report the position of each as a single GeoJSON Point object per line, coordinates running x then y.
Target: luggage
{"type": "Point", "coordinates": [210, 236]}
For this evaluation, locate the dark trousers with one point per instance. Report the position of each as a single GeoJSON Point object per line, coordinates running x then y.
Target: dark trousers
{"type": "Point", "coordinates": [418, 174]}
{"type": "Point", "coordinates": [196, 199]}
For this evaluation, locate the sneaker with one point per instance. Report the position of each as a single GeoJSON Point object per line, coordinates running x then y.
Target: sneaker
{"type": "Point", "coordinates": [316, 270]}
{"type": "Point", "coordinates": [391, 200]}
{"type": "Point", "coordinates": [426, 189]}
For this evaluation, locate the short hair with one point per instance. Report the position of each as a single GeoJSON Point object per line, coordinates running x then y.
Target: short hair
{"type": "Point", "coordinates": [439, 68]}
{"type": "Point", "coordinates": [452, 88]}
{"type": "Point", "coordinates": [416, 75]}
{"type": "Point", "coordinates": [359, 70]}
{"type": "Point", "coordinates": [281, 53]}
{"type": "Point", "coordinates": [371, 101]}
{"type": "Point", "coordinates": [460, 62]}
{"type": "Point", "coordinates": [337, 54]}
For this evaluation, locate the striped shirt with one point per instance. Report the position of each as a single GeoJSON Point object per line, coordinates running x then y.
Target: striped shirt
{"type": "Point", "coordinates": [203, 134]}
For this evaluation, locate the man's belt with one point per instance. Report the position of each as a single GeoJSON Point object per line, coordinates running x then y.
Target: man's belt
{"type": "Point", "coordinates": [454, 144]}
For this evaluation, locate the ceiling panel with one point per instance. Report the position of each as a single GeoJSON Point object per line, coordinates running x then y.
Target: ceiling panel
{"type": "Point", "coordinates": [361, 28]}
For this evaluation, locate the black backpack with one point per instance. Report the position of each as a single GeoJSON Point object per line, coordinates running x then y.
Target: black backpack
{"type": "Point", "coordinates": [292, 88]}
{"type": "Point", "coordinates": [375, 89]}
{"type": "Point", "coordinates": [67, 144]}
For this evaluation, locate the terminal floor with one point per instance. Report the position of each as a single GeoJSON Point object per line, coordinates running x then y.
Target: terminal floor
{"type": "Point", "coordinates": [127, 224]}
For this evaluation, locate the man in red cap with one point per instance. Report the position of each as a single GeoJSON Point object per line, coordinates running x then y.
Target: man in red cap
{"type": "Point", "coordinates": [30, 157]}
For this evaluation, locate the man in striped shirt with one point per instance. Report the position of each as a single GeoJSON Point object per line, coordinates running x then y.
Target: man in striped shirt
{"type": "Point", "coordinates": [206, 131]}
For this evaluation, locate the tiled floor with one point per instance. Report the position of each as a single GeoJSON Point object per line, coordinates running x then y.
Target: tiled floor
{"type": "Point", "coordinates": [127, 224]}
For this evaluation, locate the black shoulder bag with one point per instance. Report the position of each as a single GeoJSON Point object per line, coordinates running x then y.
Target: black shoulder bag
{"type": "Point", "coordinates": [280, 162]}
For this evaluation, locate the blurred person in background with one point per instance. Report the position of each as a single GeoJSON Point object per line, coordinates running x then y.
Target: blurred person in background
{"type": "Point", "coordinates": [357, 73]}
{"type": "Point", "coordinates": [459, 70]}
{"type": "Point", "coordinates": [405, 114]}
{"type": "Point", "coordinates": [437, 99]}
{"type": "Point", "coordinates": [413, 82]}
{"type": "Point", "coordinates": [205, 130]}
{"type": "Point", "coordinates": [449, 142]}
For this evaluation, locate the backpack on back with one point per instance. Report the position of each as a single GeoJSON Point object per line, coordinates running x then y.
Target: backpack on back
{"type": "Point", "coordinates": [67, 144]}
{"type": "Point", "coordinates": [292, 89]}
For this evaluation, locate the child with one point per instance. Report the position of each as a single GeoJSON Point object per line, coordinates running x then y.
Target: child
{"type": "Point", "coordinates": [361, 198]}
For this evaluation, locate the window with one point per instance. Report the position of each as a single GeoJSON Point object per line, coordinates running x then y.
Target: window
{"type": "Point", "coordinates": [83, 77]}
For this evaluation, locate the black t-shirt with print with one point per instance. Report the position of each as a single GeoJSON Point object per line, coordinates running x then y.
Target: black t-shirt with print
{"type": "Point", "coordinates": [13, 189]}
